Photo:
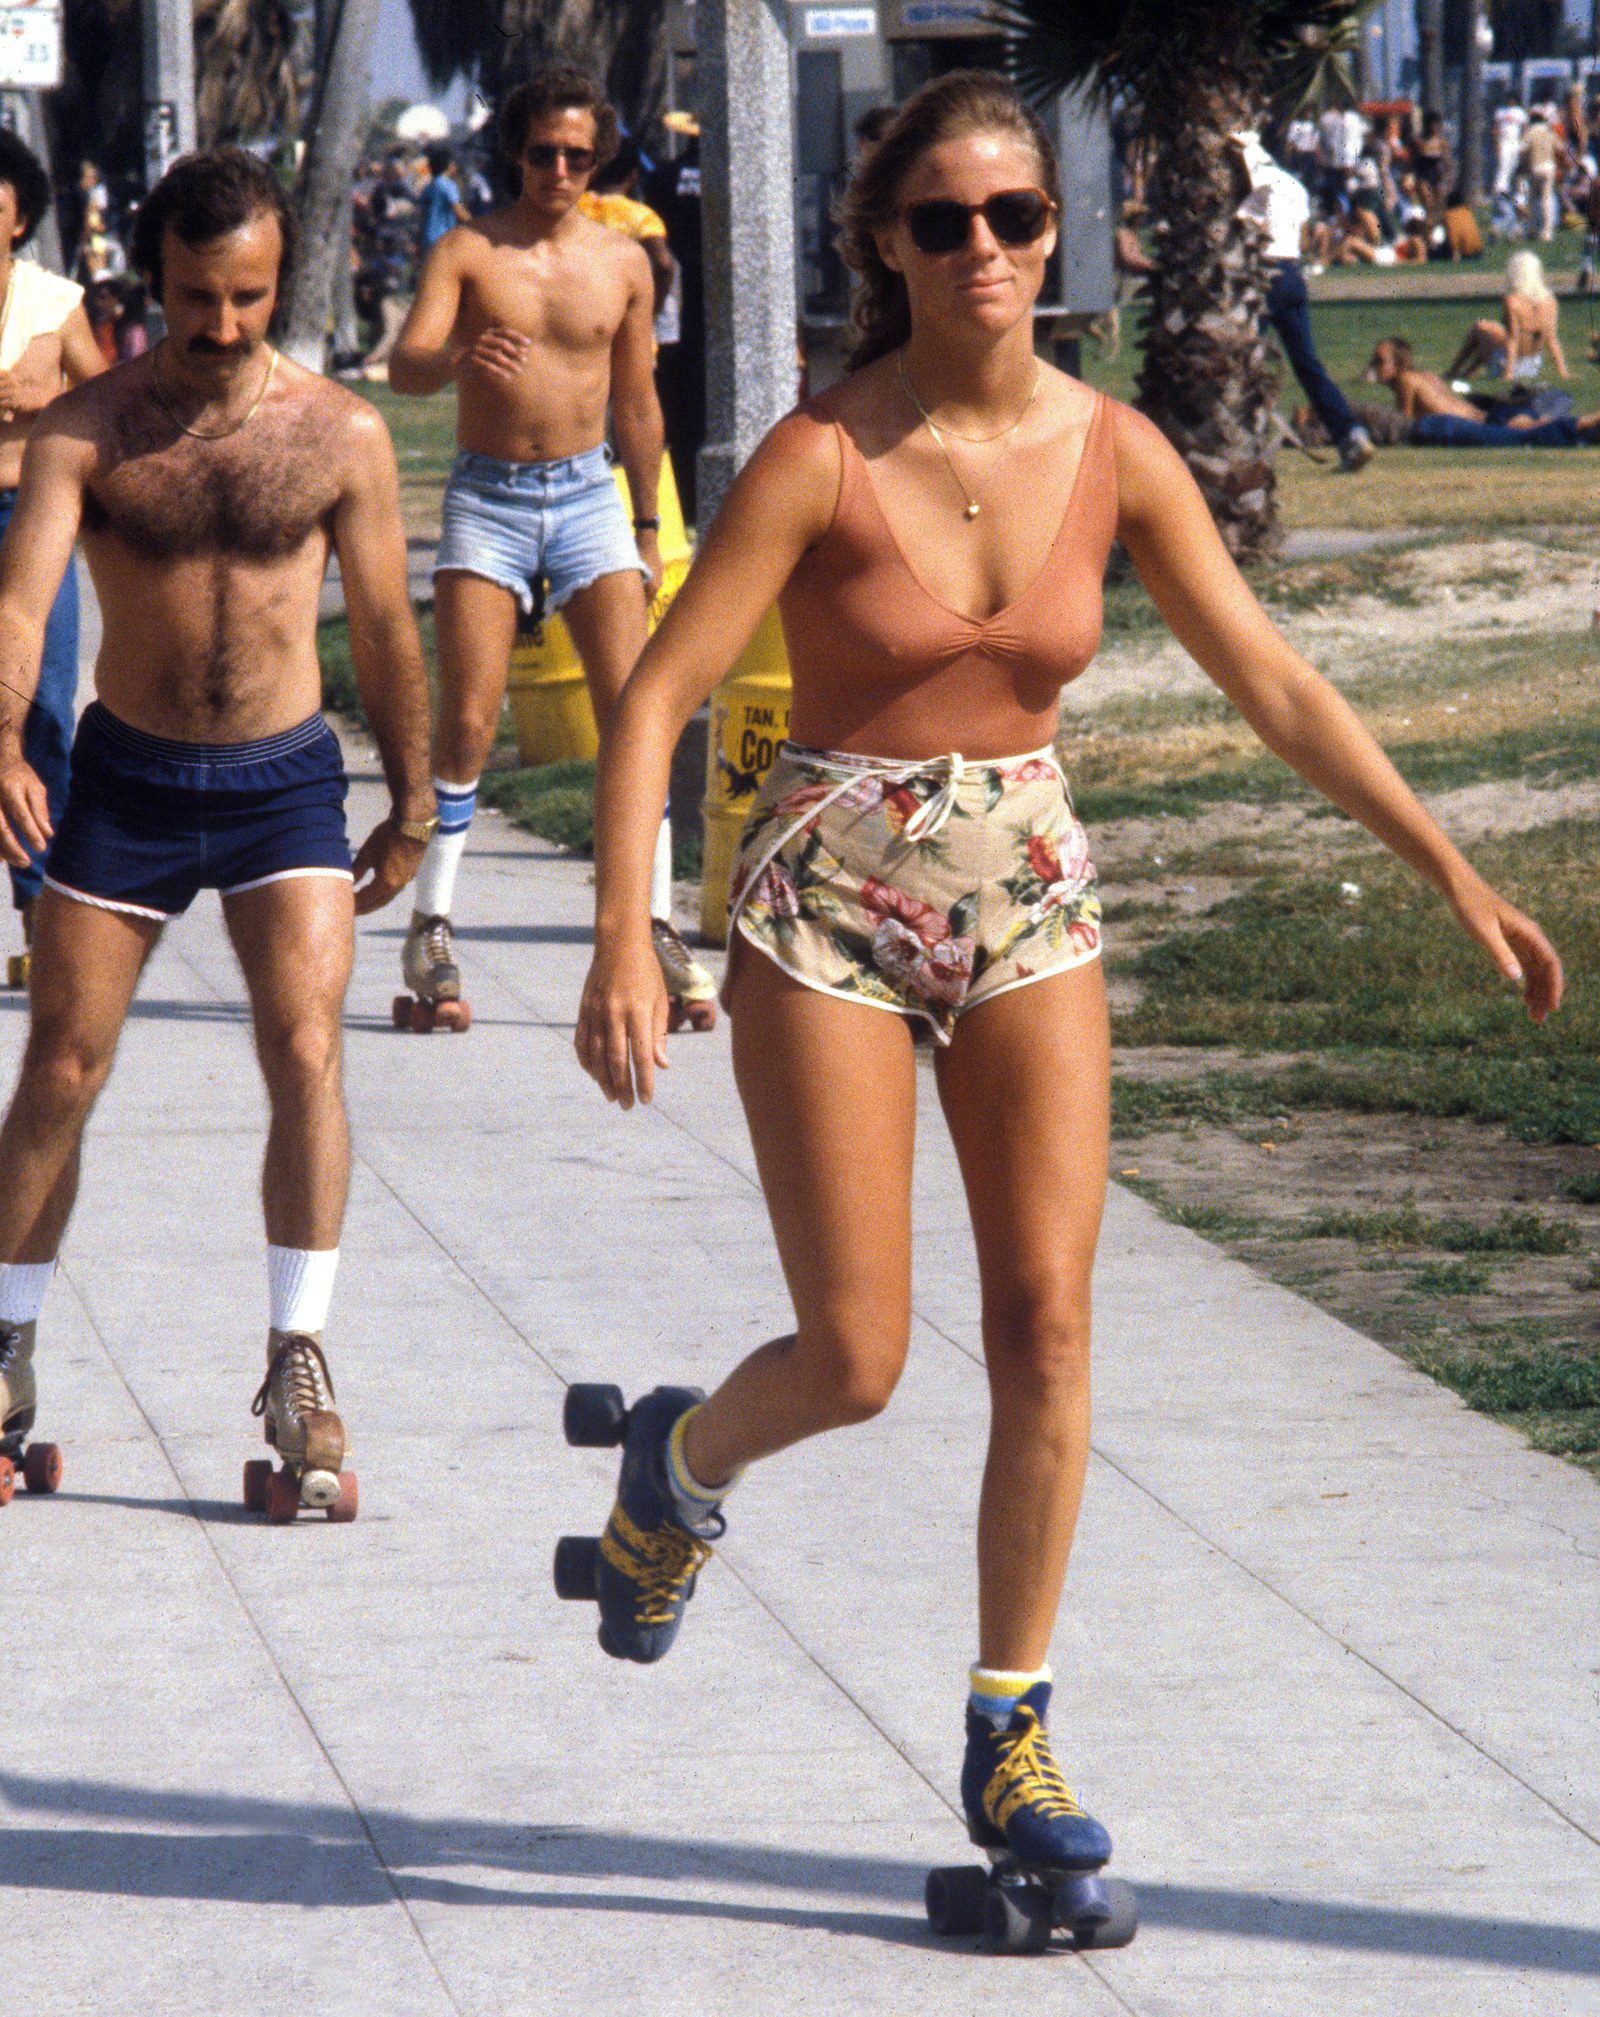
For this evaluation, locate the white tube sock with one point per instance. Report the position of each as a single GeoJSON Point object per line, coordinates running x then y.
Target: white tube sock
{"type": "Point", "coordinates": [300, 1287]}
{"type": "Point", "coordinates": [436, 879]}
{"type": "Point", "coordinates": [661, 872]}
{"type": "Point", "coordinates": [22, 1287]}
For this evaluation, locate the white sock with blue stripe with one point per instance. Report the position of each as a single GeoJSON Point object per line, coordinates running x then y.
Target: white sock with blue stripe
{"type": "Point", "coordinates": [436, 879]}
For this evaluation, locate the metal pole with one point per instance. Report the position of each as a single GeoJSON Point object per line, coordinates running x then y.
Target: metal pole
{"type": "Point", "coordinates": [747, 149]}
{"type": "Point", "coordinates": [169, 118]}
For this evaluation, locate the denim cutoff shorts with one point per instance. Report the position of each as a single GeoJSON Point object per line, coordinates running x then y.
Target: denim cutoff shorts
{"type": "Point", "coordinates": [513, 521]}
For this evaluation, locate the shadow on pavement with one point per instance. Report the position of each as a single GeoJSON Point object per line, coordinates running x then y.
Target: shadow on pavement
{"type": "Point", "coordinates": [262, 1851]}
{"type": "Point", "coordinates": [503, 934]}
{"type": "Point", "coordinates": [218, 1512]}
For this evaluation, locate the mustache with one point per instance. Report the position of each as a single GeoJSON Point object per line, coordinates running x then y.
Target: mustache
{"type": "Point", "coordinates": [208, 346]}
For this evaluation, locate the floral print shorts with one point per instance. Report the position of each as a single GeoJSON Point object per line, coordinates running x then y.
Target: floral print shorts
{"type": "Point", "coordinates": [923, 886]}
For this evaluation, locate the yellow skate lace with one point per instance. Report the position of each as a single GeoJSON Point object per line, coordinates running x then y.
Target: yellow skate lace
{"type": "Point", "coordinates": [305, 1375]}
{"type": "Point", "coordinates": [660, 1563]}
{"type": "Point", "coordinates": [1027, 1776]}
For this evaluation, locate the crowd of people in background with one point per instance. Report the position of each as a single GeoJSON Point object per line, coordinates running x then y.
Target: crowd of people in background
{"type": "Point", "coordinates": [1382, 188]}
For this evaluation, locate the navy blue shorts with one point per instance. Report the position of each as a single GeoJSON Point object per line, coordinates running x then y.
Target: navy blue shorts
{"type": "Point", "coordinates": [149, 822]}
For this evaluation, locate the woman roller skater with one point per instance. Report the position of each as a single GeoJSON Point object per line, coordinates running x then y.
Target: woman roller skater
{"type": "Point", "coordinates": [934, 530]}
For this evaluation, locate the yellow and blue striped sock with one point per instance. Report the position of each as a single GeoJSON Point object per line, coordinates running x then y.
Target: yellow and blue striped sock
{"type": "Point", "coordinates": [695, 1500]}
{"type": "Point", "coordinates": [996, 1691]}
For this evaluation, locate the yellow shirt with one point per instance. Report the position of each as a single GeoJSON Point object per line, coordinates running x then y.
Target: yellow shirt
{"type": "Point", "coordinates": [622, 213]}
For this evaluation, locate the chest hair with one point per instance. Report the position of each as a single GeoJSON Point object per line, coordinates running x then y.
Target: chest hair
{"type": "Point", "coordinates": [257, 495]}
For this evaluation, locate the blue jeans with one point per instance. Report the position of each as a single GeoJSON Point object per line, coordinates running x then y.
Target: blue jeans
{"type": "Point", "coordinates": [1449, 430]}
{"type": "Point", "coordinates": [1289, 312]}
{"type": "Point", "coordinates": [47, 738]}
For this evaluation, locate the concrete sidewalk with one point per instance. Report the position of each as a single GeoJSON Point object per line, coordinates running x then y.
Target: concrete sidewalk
{"type": "Point", "coordinates": [1327, 1665]}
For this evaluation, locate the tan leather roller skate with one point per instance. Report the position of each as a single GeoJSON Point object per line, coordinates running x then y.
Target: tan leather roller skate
{"type": "Point", "coordinates": [428, 967]}
{"type": "Point", "coordinates": [295, 1404]}
{"type": "Point", "coordinates": [40, 1463]}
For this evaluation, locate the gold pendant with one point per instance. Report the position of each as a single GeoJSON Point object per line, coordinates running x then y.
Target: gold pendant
{"type": "Point", "coordinates": [971, 511]}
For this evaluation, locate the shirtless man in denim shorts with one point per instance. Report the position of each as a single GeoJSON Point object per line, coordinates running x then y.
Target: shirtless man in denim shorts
{"type": "Point", "coordinates": [540, 317]}
{"type": "Point", "coordinates": [211, 479]}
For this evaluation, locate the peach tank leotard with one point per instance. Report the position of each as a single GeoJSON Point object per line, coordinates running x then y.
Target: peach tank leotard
{"type": "Point", "coordinates": [871, 646]}
{"type": "Point", "coordinates": [926, 883]}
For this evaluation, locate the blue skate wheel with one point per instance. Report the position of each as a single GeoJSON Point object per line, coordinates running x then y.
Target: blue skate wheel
{"type": "Point", "coordinates": [577, 1564]}
{"type": "Point", "coordinates": [956, 1899]}
{"type": "Point", "coordinates": [594, 1417]}
{"type": "Point", "coordinates": [1110, 1921]}
{"type": "Point", "coordinates": [1017, 1919]}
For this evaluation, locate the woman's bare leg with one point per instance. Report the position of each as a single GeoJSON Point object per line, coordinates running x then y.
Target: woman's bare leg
{"type": "Point", "coordinates": [1478, 347]}
{"type": "Point", "coordinates": [830, 1096]}
{"type": "Point", "coordinates": [1026, 1092]}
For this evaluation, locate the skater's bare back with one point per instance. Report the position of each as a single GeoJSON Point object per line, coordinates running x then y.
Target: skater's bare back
{"type": "Point", "coordinates": [533, 320]}
{"type": "Point", "coordinates": [207, 555]}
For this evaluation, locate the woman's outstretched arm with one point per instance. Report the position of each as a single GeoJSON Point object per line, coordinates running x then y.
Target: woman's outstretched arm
{"type": "Point", "coordinates": [1170, 536]}
{"type": "Point", "coordinates": [782, 503]}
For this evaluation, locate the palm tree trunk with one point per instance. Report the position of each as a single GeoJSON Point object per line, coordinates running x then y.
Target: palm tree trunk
{"type": "Point", "coordinates": [334, 135]}
{"type": "Point", "coordinates": [1208, 379]}
{"type": "Point", "coordinates": [1430, 52]}
{"type": "Point", "coordinates": [1471, 149]}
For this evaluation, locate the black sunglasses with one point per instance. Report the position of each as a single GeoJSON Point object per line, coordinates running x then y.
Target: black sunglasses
{"type": "Point", "coordinates": [546, 153]}
{"type": "Point", "coordinates": [1015, 216]}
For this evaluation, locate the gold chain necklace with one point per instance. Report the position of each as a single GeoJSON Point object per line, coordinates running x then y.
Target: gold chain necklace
{"type": "Point", "coordinates": [978, 440]}
{"type": "Point", "coordinates": [199, 433]}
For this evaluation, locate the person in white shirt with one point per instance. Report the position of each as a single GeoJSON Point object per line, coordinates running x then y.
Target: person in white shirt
{"type": "Point", "coordinates": [1509, 121]}
{"type": "Point", "coordinates": [1280, 204]}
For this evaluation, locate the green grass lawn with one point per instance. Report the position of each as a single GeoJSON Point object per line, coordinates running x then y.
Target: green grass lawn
{"type": "Point", "coordinates": [1468, 490]}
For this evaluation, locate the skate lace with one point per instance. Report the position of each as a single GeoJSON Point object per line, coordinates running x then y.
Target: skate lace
{"type": "Point", "coordinates": [9, 1341]}
{"type": "Point", "coordinates": [307, 1385]}
{"type": "Point", "coordinates": [436, 941]}
{"type": "Point", "coordinates": [1028, 1776]}
{"type": "Point", "coordinates": [660, 1562]}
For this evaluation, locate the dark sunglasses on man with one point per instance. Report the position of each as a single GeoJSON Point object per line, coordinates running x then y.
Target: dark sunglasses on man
{"type": "Point", "coordinates": [546, 153]}
{"type": "Point", "coordinates": [1015, 216]}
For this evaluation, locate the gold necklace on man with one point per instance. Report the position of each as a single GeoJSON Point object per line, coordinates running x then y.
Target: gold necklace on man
{"type": "Point", "coordinates": [199, 433]}
{"type": "Point", "coordinates": [978, 440]}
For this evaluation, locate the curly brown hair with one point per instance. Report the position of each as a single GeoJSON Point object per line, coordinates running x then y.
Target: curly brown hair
{"type": "Point", "coordinates": [966, 101]}
{"type": "Point", "coordinates": [559, 87]}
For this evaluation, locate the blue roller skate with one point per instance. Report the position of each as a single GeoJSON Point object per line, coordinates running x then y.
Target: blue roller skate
{"type": "Point", "coordinates": [642, 1570]}
{"type": "Point", "coordinates": [1045, 1853]}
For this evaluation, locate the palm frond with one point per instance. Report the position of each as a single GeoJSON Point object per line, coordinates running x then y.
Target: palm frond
{"type": "Point", "coordinates": [1156, 48]}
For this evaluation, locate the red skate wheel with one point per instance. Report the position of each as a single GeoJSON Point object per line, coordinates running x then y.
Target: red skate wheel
{"type": "Point", "coordinates": [400, 1011]}
{"type": "Point", "coordinates": [257, 1485]}
{"type": "Point", "coordinates": [452, 1015]}
{"type": "Point", "coordinates": [283, 1498]}
{"type": "Point", "coordinates": [41, 1467]}
{"type": "Point", "coordinates": [8, 1480]}
{"type": "Point", "coordinates": [343, 1508]}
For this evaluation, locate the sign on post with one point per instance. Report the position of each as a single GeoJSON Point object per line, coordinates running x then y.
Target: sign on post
{"type": "Point", "coordinates": [30, 46]}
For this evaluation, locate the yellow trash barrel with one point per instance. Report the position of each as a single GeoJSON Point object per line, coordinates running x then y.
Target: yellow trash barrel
{"type": "Point", "coordinates": [548, 696]}
{"type": "Point", "coordinates": [749, 720]}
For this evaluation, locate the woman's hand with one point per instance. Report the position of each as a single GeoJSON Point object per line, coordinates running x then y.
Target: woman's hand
{"type": "Point", "coordinates": [1515, 944]}
{"type": "Point", "coordinates": [621, 1038]}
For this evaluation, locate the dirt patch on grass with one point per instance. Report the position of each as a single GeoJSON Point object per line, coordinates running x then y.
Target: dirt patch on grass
{"type": "Point", "coordinates": [1471, 1252]}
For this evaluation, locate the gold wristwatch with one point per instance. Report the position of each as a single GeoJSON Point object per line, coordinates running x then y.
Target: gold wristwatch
{"type": "Point", "coordinates": [419, 830]}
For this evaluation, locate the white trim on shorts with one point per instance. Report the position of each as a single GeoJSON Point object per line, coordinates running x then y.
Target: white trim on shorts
{"type": "Point", "coordinates": [166, 916]}
{"type": "Point", "coordinates": [286, 875]}
{"type": "Point", "coordinates": [905, 1010]}
{"type": "Point", "coordinates": [106, 903]}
